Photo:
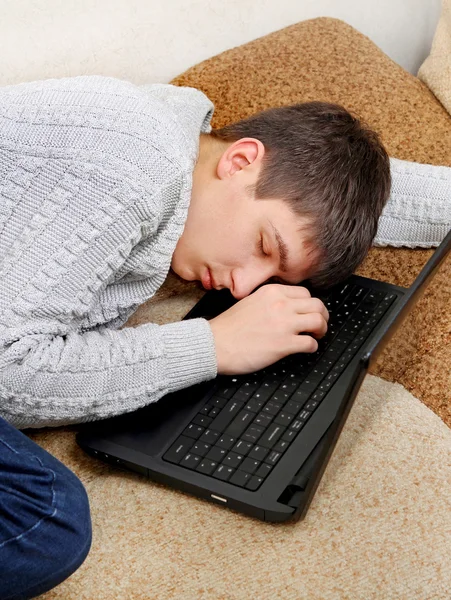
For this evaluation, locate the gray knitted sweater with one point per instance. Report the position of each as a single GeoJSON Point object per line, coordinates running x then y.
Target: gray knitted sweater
{"type": "Point", "coordinates": [95, 183]}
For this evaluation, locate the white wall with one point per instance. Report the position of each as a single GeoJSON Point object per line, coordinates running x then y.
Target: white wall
{"type": "Point", "coordinates": [154, 40]}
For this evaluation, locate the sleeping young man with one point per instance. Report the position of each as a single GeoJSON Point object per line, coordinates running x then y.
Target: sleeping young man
{"type": "Point", "coordinates": [104, 187]}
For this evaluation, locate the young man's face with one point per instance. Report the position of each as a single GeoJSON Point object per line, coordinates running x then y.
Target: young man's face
{"type": "Point", "coordinates": [230, 239]}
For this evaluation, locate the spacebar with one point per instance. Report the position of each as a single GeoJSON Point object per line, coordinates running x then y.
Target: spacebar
{"type": "Point", "coordinates": [227, 414]}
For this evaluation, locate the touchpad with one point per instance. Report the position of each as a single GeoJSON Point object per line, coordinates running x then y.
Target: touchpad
{"type": "Point", "coordinates": [149, 429]}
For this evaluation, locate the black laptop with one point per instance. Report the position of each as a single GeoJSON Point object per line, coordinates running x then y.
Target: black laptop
{"type": "Point", "coordinates": [259, 443]}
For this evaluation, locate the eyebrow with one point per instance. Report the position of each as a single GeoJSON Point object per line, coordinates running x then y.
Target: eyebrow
{"type": "Point", "coordinates": [283, 250]}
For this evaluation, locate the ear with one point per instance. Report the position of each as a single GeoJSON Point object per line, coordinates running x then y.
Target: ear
{"type": "Point", "coordinates": [243, 156]}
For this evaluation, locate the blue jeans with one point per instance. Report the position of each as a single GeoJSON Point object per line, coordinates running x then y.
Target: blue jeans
{"type": "Point", "coordinates": [45, 523]}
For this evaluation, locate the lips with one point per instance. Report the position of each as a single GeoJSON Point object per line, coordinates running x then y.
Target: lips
{"type": "Point", "coordinates": [207, 280]}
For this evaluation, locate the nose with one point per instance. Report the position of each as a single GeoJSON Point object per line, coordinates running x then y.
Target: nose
{"type": "Point", "coordinates": [245, 281]}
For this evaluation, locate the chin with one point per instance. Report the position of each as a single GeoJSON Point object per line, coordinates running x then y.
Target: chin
{"type": "Point", "coordinates": [185, 274]}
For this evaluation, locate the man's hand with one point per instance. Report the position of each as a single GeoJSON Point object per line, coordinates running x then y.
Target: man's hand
{"type": "Point", "coordinates": [264, 327]}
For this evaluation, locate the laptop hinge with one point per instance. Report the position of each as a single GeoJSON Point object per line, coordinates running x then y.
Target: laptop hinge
{"type": "Point", "coordinates": [292, 494]}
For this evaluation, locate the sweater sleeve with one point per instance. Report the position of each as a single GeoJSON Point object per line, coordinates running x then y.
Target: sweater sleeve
{"type": "Point", "coordinates": [56, 379]}
{"type": "Point", "coordinates": [418, 211]}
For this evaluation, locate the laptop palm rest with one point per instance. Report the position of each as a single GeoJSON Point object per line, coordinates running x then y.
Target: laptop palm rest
{"type": "Point", "coordinates": [148, 429]}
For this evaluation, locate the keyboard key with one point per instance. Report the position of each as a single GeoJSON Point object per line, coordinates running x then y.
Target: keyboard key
{"type": "Point", "coordinates": [300, 395]}
{"type": "Point", "coordinates": [341, 342]}
{"type": "Point", "coordinates": [264, 420]}
{"type": "Point", "coordinates": [241, 395]}
{"type": "Point", "coordinates": [357, 294]}
{"type": "Point", "coordinates": [178, 449]}
{"type": "Point", "coordinates": [191, 461]}
{"type": "Point", "coordinates": [207, 466]}
{"type": "Point", "coordinates": [346, 357]}
{"type": "Point", "coordinates": [284, 418]}
{"type": "Point", "coordinates": [354, 348]}
{"type": "Point", "coordinates": [193, 431]}
{"type": "Point", "coordinates": [291, 433]}
{"type": "Point", "coordinates": [333, 352]}
{"type": "Point", "coordinates": [200, 448]}
{"type": "Point", "coordinates": [252, 434]}
{"type": "Point", "coordinates": [223, 472]}
{"type": "Point", "coordinates": [325, 385]}
{"type": "Point", "coordinates": [294, 407]}
{"type": "Point", "coordinates": [273, 457]}
{"type": "Point", "coordinates": [289, 386]}
{"type": "Point", "coordinates": [334, 374]}
{"type": "Point", "coordinates": [202, 420]}
{"type": "Point", "coordinates": [233, 460]}
{"type": "Point", "coordinates": [240, 423]}
{"type": "Point", "coordinates": [372, 298]}
{"type": "Point", "coordinates": [272, 408]}
{"type": "Point", "coordinates": [304, 415]}
{"type": "Point", "coordinates": [226, 390]}
{"type": "Point", "coordinates": [258, 453]}
{"type": "Point", "coordinates": [316, 374]}
{"type": "Point", "coordinates": [216, 454]}
{"type": "Point", "coordinates": [263, 470]}
{"type": "Point", "coordinates": [281, 445]}
{"type": "Point", "coordinates": [215, 410]}
{"type": "Point", "coordinates": [240, 478]}
{"type": "Point", "coordinates": [226, 442]}
{"type": "Point", "coordinates": [254, 483]}
{"type": "Point", "coordinates": [296, 378]}
{"type": "Point", "coordinates": [341, 365]}
{"type": "Point", "coordinates": [227, 414]}
{"type": "Point", "coordinates": [311, 404]}
{"type": "Point", "coordinates": [318, 395]}
{"type": "Point", "coordinates": [264, 392]}
{"type": "Point", "coordinates": [297, 425]}
{"type": "Point", "coordinates": [216, 401]}
{"type": "Point", "coordinates": [365, 331]}
{"type": "Point", "coordinates": [250, 465]}
{"type": "Point", "coordinates": [271, 435]}
{"type": "Point", "coordinates": [255, 404]}
{"type": "Point", "coordinates": [242, 447]}
{"type": "Point", "coordinates": [309, 385]}
{"type": "Point", "coordinates": [250, 386]}
{"type": "Point", "coordinates": [209, 436]}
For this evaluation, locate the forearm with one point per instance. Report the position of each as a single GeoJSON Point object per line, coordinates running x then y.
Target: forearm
{"type": "Point", "coordinates": [418, 211]}
{"type": "Point", "coordinates": [59, 380]}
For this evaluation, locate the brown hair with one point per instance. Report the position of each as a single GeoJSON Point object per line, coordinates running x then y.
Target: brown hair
{"type": "Point", "coordinates": [329, 167]}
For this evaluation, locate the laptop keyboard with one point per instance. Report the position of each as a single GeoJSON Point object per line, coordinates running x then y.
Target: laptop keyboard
{"type": "Point", "coordinates": [244, 428]}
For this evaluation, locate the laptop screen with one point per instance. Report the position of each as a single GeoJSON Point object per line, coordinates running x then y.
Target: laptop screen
{"type": "Point", "coordinates": [406, 303]}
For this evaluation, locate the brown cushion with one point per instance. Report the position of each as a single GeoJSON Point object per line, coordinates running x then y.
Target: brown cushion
{"type": "Point", "coordinates": [326, 59]}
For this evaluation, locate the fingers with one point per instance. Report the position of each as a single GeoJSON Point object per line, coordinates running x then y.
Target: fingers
{"type": "Point", "coordinates": [314, 324]}
{"type": "Point", "coordinates": [311, 305]}
{"type": "Point", "coordinates": [296, 292]}
{"type": "Point", "coordinates": [290, 291]}
{"type": "Point", "coordinates": [304, 343]}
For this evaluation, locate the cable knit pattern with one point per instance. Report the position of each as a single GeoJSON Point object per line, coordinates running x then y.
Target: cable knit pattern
{"type": "Point", "coordinates": [95, 183]}
{"type": "Point", "coordinates": [418, 211]}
